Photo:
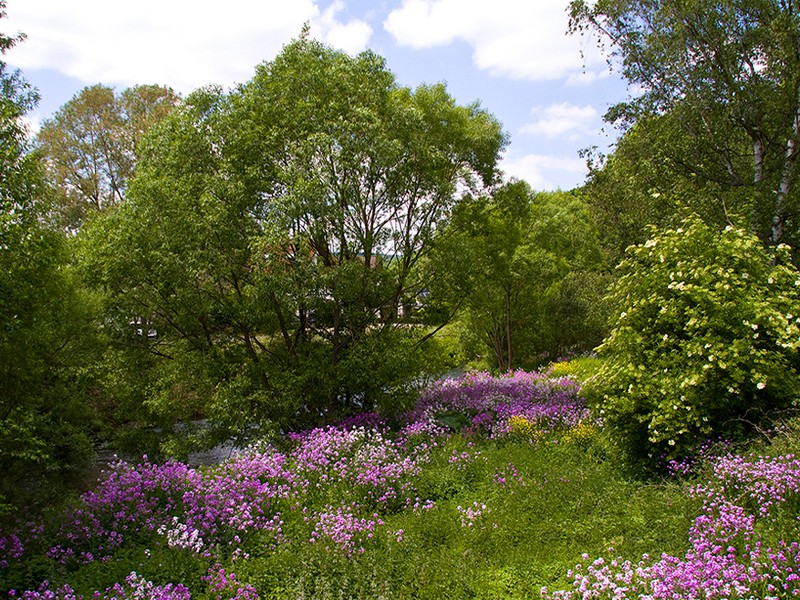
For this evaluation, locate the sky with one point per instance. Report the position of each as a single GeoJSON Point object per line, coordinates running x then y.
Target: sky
{"type": "Point", "coordinates": [548, 89]}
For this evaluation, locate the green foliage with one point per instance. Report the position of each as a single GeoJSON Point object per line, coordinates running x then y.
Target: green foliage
{"type": "Point", "coordinates": [644, 184]}
{"type": "Point", "coordinates": [90, 146]}
{"type": "Point", "coordinates": [45, 330]}
{"type": "Point", "coordinates": [523, 269]}
{"type": "Point", "coordinates": [712, 97]}
{"type": "Point", "coordinates": [45, 340]}
{"type": "Point", "coordinates": [578, 369]}
{"type": "Point", "coordinates": [271, 239]}
{"type": "Point", "coordinates": [705, 341]}
{"type": "Point", "coordinates": [572, 317]}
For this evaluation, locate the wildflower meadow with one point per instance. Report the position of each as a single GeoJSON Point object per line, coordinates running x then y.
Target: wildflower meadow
{"type": "Point", "coordinates": [489, 487]}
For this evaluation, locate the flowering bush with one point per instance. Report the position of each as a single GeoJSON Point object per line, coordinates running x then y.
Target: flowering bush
{"type": "Point", "coordinates": [182, 536]}
{"type": "Point", "coordinates": [221, 586]}
{"type": "Point", "coordinates": [707, 331]}
{"type": "Point", "coordinates": [582, 433]}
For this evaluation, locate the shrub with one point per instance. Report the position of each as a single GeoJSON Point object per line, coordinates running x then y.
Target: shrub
{"type": "Point", "coordinates": [704, 343]}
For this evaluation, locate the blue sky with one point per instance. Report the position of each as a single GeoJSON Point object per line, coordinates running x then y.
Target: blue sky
{"type": "Point", "coordinates": [511, 55]}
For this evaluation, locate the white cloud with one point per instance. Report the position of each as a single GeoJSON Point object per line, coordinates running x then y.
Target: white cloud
{"type": "Point", "coordinates": [182, 43]}
{"type": "Point", "coordinates": [587, 77]}
{"type": "Point", "coordinates": [545, 172]}
{"type": "Point", "coordinates": [352, 37]}
{"type": "Point", "coordinates": [560, 119]}
{"type": "Point", "coordinates": [522, 39]}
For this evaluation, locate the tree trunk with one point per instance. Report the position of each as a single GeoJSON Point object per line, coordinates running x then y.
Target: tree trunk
{"type": "Point", "coordinates": [287, 338]}
{"type": "Point", "coordinates": [509, 350]}
{"type": "Point", "coordinates": [758, 160]}
{"type": "Point", "coordinates": [787, 173]}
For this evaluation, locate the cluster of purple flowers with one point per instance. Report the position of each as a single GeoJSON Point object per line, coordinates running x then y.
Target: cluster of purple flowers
{"type": "Point", "coordinates": [224, 586]}
{"type": "Point", "coordinates": [508, 477]}
{"type": "Point", "coordinates": [346, 531]}
{"type": "Point", "coordinates": [470, 514]}
{"type": "Point", "coordinates": [11, 549]}
{"type": "Point", "coordinates": [221, 586]}
{"type": "Point", "coordinates": [338, 481]}
{"type": "Point", "coordinates": [738, 544]}
{"type": "Point", "coordinates": [364, 464]}
{"type": "Point", "coordinates": [490, 401]}
{"type": "Point", "coordinates": [135, 588]}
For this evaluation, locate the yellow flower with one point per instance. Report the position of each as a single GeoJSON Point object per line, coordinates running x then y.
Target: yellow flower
{"type": "Point", "coordinates": [582, 432]}
{"type": "Point", "coordinates": [521, 427]}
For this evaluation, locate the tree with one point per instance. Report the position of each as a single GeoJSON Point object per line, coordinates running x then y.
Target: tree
{"type": "Point", "coordinates": [44, 419]}
{"type": "Point", "coordinates": [705, 340]}
{"type": "Point", "coordinates": [640, 185]}
{"type": "Point", "coordinates": [274, 232]}
{"type": "Point", "coordinates": [507, 260]}
{"type": "Point", "coordinates": [727, 75]}
{"type": "Point", "coordinates": [481, 265]}
{"type": "Point", "coordinates": [573, 316]}
{"type": "Point", "coordinates": [90, 146]}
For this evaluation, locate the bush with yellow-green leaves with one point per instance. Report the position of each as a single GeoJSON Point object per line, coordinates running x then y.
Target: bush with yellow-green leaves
{"type": "Point", "coordinates": [704, 343]}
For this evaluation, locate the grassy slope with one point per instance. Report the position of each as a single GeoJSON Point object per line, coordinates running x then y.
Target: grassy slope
{"type": "Point", "coordinates": [569, 501]}
{"type": "Point", "coordinates": [543, 505]}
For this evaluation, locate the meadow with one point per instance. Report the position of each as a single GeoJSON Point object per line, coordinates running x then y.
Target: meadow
{"type": "Point", "coordinates": [491, 487]}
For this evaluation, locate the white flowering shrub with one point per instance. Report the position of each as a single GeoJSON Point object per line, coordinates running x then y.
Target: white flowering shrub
{"type": "Point", "coordinates": [704, 342]}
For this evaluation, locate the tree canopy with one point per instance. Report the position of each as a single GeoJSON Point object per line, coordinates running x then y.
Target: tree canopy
{"type": "Point", "coordinates": [44, 418]}
{"type": "Point", "coordinates": [521, 268]}
{"type": "Point", "coordinates": [724, 80]}
{"type": "Point", "coordinates": [89, 146]}
{"type": "Point", "coordinates": [275, 232]}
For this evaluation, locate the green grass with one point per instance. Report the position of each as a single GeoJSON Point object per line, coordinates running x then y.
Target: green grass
{"type": "Point", "coordinates": [579, 369]}
{"type": "Point", "coordinates": [570, 500]}
{"type": "Point", "coordinates": [561, 499]}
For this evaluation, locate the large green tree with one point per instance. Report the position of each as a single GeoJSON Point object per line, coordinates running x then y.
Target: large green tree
{"type": "Point", "coordinates": [274, 233]}
{"type": "Point", "coordinates": [723, 78]}
{"type": "Point", "coordinates": [89, 146]}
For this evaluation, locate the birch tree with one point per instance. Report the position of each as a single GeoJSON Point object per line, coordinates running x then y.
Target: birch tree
{"type": "Point", "coordinates": [728, 75]}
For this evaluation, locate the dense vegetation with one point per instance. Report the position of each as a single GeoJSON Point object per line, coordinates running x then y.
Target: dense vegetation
{"type": "Point", "coordinates": [706, 341]}
{"type": "Point", "coordinates": [290, 265]}
{"type": "Point", "coordinates": [490, 487]}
